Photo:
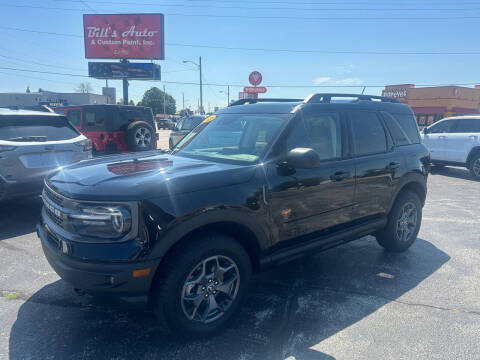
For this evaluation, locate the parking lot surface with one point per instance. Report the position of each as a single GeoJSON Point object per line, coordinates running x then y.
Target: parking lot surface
{"type": "Point", "coordinates": [352, 302]}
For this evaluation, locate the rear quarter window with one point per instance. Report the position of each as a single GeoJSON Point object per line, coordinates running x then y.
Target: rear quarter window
{"type": "Point", "coordinates": [400, 138]}
{"type": "Point", "coordinates": [36, 128]}
{"type": "Point", "coordinates": [127, 116]}
{"type": "Point", "coordinates": [409, 125]}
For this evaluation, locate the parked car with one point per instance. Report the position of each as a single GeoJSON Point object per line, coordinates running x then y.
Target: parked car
{"type": "Point", "coordinates": [183, 127]}
{"type": "Point", "coordinates": [187, 229]}
{"type": "Point", "coordinates": [114, 128]}
{"type": "Point", "coordinates": [455, 141]}
{"type": "Point", "coordinates": [32, 144]}
{"type": "Point", "coordinates": [165, 124]}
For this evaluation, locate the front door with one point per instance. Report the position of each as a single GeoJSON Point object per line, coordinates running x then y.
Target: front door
{"type": "Point", "coordinates": [435, 139]}
{"type": "Point", "coordinates": [304, 201]}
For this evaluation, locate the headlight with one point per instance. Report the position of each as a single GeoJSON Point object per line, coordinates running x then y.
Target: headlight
{"type": "Point", "coordinates": [110, 222]}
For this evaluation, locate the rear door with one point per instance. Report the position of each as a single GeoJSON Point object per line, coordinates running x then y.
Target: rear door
{"type": "Point", "coordinates": [377, 166]}
{"type": "Point", "coordinates": [462, 138]}
{"type": "Point", "coordinates": [40, 144]}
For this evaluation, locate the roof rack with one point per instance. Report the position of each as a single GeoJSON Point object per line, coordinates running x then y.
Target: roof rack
{"type": "Point", "coordinates": [254, 101]}
{"type": "Point", "coordinates": [327, 98]}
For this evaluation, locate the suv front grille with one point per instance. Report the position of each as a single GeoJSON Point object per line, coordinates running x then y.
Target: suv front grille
{"type": "Point", "coordinates": [53, 207]}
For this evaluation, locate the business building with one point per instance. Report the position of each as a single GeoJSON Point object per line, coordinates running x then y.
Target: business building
{"type": "Point", "coordinates": [431, 104]}
{"type": "Point", "coordinates": [53, 99]}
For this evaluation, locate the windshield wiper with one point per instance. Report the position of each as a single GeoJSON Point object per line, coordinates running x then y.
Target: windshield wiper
{"type": "Point", "coordinates": [28, 138]}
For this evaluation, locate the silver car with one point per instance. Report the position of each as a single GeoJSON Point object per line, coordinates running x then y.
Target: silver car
{"type": "Point", "coordinates": [32, 144]}
{"type": "Point", "coordinates": [184, 126]}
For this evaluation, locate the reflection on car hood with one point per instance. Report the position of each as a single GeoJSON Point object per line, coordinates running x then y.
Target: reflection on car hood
{"type": "Point", "coordinates": [142, 176]}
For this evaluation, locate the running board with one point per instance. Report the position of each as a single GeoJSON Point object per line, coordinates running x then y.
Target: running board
{"type": "Point", "coordinates": [323, 243]}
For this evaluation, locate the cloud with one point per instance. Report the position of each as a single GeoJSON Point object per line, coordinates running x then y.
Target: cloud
{"type": "Point", "coordinates": [322, 80]}
{"type": "Point", "coordinates": [325, 80]}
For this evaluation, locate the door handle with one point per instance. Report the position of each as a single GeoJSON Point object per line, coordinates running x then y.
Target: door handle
{"type": "Point", "coordinates": [340, 175]}
{"type": "Point", "coordinates": [393, 165]}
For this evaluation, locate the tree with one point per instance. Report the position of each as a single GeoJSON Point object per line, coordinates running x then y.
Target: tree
{"type": "Point", "coordinates": [153, 98]}
{"type": "Point", "coordinates": [84, 87]}
{"type": "Point", "coordinates": [184, 112]}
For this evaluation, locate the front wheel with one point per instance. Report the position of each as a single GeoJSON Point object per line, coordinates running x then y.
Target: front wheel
{"type": "Point", "coordinates": [475, 167]}
{"type": "Point", "coordinates": [403, 223]}
{"type": "Point", "coordinates": [201, 285]}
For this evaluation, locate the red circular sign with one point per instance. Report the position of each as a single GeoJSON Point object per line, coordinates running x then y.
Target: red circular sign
{"type": "Point", "coordinates": [255, 78]}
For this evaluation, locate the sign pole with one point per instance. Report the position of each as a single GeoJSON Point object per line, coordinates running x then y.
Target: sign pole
{"type": "Point", "coordinates": [125, 85]}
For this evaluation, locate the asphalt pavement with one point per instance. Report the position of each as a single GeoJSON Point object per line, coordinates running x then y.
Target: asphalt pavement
{"type": "Point", "coordinates": [352, 302]}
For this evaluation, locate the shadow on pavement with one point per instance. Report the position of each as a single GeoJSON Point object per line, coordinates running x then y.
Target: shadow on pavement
{"type": "Point", "coordinates": [289, 311]}
{"type": "Point", "coordinates": [19, 216]}
{"type": "Point", "coordinates": [455, 172]}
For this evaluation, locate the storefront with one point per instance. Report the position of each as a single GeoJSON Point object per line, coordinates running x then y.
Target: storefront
{"type": "Point", "coordinates": [431, 104]}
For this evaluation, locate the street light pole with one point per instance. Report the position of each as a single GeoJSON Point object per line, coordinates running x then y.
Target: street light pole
{"type": "Point", "coordinates": [201, 90]}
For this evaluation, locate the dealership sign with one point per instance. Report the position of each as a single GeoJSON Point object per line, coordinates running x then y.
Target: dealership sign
{"type": "Point", "coordinates": [255, 89]}
{"type": "Point", "coordinates": [124, 36]}
{"type": "Point", "coordinates": [134, 71]}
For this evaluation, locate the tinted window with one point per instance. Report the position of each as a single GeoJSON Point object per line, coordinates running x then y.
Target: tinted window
{"type": "Point", "coordinates": [467, 126]}
{"type": "Point", "coordinates": [441, 127]}
{"type": "Point", "coordinates": [94, 119]}
{"type": "Point", "coordinates": [74, 117]}
{"type": "Point", "coordinates": [368, 133]}
{"type": "Point", "coordinates": [36, 128]}
{"type": "Point", "coordinates": [398, 134]}
{"type": "Point", "coordinates": [319, 131]}
{"type": "Point", "coordinates": [409, 125]}
{"type": "Point", "coordinates": [129, 115]}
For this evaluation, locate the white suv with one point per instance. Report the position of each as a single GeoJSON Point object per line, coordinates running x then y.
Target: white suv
{"type": "Point", "coordinates": [455, 141]}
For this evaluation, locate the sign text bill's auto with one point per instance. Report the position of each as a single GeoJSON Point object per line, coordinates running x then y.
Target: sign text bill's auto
{"type": "Point", "coordinates": [124, 36]}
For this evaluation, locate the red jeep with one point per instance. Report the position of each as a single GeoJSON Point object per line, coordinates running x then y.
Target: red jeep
{"type": "Point", "coordinates": [114, 128]}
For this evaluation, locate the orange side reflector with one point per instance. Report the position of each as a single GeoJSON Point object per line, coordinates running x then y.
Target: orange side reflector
{"type": "Point", "coordinates": [141, 272]}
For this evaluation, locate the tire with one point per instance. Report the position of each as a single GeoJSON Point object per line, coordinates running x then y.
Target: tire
{"type": "Point", "coordinates": [475, 167]}
{"type": "Point", "coordinates": [400, 233]}
{"type": "Point", "coordinates": [140, 136]}
{"type": "Point", "coordinates": [196, 317]}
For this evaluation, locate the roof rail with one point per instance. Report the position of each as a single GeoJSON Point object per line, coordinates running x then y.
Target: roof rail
{"type": "Point", "coordinates": [326, 98]}
{"type": "Point", "coordinates": [254, 101]}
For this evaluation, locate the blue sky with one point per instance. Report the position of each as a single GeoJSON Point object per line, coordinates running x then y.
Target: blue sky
{"type": "Point", "coordinates": [323, 25]}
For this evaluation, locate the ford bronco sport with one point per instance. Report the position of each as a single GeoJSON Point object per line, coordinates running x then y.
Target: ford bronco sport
{"type": "Point", "coordinates": [260, 182]}
{"type": "Point", "coordinates": [114, 128]}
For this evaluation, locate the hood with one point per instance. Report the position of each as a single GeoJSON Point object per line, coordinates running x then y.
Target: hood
{"type": "Point", "coordinates": [143, 176]}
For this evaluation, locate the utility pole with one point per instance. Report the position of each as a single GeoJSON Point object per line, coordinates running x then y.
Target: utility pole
{"type": "Point", "coordinates": [125, 85]}
{"type": "Point", "coordinates": [201, 90]}
{"type": "Point", "coordinates": [183, 100]}
{"type": "Point", "coordinates": [228, 95]}
{"type": "Point", "coordinates": [164, 102]}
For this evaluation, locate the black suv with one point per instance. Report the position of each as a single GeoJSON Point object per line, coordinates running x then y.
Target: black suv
{"type": "Point", "coordinates": [259, 183]}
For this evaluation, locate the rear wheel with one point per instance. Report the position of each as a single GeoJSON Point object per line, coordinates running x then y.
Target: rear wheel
{"type": "Point", "coordinates": [475, 167]}
{"type": "Point", "coordinates": [403, 223]}
{"type": "Point", "coordinates": [201, 285]}
{"type": "Point", "coordinates": [140, 136]}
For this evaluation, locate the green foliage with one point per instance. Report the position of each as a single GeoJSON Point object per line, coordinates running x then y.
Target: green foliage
{"type": "Point", "coordinates": [154, 98]}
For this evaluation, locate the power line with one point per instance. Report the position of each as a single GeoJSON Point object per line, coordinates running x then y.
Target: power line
{"type": "Point", "coordinates": [242, 85]}
{"type": "Point", "coordinates": [267, 8]}
{"type": "Point", "coordinates": [314, 51]}
{"type": "Point", "coordinates": [289, 17]}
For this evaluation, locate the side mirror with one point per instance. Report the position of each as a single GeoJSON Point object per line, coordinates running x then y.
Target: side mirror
{"type": "Point", "coordinates": [425, 130]}
{"type": "Point", "coordinates": [303, 158]}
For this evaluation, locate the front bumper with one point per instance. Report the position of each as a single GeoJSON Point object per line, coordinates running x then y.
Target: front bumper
{"type": "Point", "coordinates": [114, 278]}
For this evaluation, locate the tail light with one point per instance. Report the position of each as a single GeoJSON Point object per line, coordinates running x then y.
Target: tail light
{"type": "Point", "coordinates": [86, 144]}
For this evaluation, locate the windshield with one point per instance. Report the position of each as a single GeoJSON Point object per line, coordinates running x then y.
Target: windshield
{"type": "Point", "coordinates": [36, 128]}
{"type": "Point", "coordinates": [235, 138]}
